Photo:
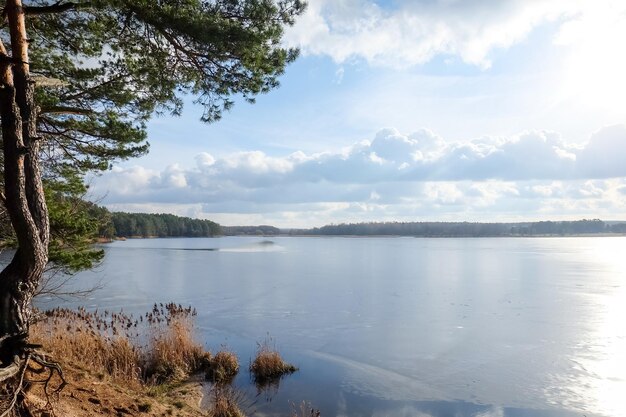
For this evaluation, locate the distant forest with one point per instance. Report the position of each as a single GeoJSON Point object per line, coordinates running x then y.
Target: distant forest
{"type": "Point", "coordinates": [262, 230]}
{"type": "Point", "coordinates": [161, 225]}
{"type": "Point", "coordinates": [466, 229]}
{"type": "Point", "coordinates": [169, 225]}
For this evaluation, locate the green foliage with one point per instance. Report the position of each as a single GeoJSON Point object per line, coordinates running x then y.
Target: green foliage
{"type": "Point", "coordinates": [162, 225]}
{"type": "Point", "coordinates": [106, 230]}
{"type": "Point", "coordinates": [74, 224]}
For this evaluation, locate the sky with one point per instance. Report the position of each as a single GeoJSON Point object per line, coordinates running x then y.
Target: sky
{"type": "Point", "coordinates": [408, 110]}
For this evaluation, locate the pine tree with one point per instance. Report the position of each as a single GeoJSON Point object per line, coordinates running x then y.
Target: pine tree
{"type": "Point", "coordinates": [78, 82]}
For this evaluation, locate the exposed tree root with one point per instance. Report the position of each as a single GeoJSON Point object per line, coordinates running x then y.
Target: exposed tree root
{"type": "Point", "coordinates": [13, 385]}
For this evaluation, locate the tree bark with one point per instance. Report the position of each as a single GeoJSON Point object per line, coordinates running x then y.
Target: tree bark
{"type": "Point", "coordinates": [24, 196]}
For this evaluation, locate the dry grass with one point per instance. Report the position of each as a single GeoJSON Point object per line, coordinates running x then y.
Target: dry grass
{"type": "Point", "coordinates": [225, 403]}
{"type": "Point", "coordinates": [89, 340]}
{"type": "Point", "coordinates": [223, 367]}
{"type": "Point", "coordinates": [172, 352]}
{"type": "Point", "coordinates": [268, 365]}
{"type": "Point", "coordinates": [149, 356]}
{"type": "Point", "coordinates": [158, 347]}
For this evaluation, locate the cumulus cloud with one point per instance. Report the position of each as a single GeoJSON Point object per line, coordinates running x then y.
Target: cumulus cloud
{"type": "Point", "coordinates": [408, 32]}
{"type": "Point", "coordinates": [393, 176]}
{"type": "Point", "coordinates": [173, 176]}
{"type": "Point", "coordinates": [604, 155]}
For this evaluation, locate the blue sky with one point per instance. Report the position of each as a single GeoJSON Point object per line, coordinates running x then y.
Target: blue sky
{"type": "Point", "coordinates": [477, 110]}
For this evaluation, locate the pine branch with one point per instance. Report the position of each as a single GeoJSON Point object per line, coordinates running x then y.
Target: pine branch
{"type": "Point", "coordinates": [65, 110]}
{"type": "Point", "coordinates": [57, 7]}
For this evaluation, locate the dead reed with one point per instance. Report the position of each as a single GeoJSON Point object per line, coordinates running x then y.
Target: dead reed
{"type": "Point", "coordinates": [155, 348]}
{"type": "Point", "coordinates": [223, 367]}
{"type": "Point", "coordinates": [268, 365]}
{"type": "Point", "coordinates": [225, 402]}
{"type": "Point", "coordinates": [172, 352]}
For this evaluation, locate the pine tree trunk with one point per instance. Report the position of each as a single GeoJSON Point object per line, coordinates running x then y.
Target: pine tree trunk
{"type": "Point", "coordinates": [23, 196]}
{"type": "Point", "coordinates": [15, 308]}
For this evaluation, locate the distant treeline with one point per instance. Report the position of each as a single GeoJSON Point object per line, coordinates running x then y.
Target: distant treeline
{"type": "Point", "coordinates": [168, 225]}
{"type": "Point", "coordinates": [466, 229]}
{"type": "Point", "coordinates": [161, 225]}
{"type": "Point", "coordinates": [250, 230]}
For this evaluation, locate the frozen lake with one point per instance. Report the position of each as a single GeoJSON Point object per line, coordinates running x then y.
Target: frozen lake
{"type": "Point", "coordinates": [399, 326]}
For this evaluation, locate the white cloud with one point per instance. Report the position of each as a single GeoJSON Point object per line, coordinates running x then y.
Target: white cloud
{"type": "Point", "coordinates": [129, 180]}
{"type": "Point", "coordinates": [393, 177]}
{"type": "Point", "coordinates": [173, 176]}
{"type": "Point", "coordinates": [546, 190]}
{"type": "Point", "coordinates": [390, 145]}
{"type": "Point", "coordinates": [412, 32]}
{"type": "Point", "coordinates": [604, 155]}
{"type": "Point", "coordinates": [255, 162]}
{"type": "Point", "coordinates": [339, 75]}
{"type": "Point", "coordinates": [443, 193]}
{"type": "Point", "coordinates": [204, 160]}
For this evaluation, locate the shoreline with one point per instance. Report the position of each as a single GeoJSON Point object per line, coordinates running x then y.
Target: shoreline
{"type": "Point", "coordinates": [578, 235]}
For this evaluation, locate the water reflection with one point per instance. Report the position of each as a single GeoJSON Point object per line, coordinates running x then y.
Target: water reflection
{"type": "Point", "coordinates": [604, 378]}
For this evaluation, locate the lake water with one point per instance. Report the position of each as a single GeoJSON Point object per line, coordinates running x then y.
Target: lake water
{"type": "Point", "coordinates": [399, 326]}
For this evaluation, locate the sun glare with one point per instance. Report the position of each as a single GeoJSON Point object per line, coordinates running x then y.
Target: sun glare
{"type": "Point", "coordinates": [607, 363]}
{"type": "Point", "coordinates": [593, 73]}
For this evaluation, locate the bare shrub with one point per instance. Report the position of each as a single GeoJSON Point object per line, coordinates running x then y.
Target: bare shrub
{"type": "Point", "coordinates": [224, 367]}
{"type": "Point", "coordinates": [268, 365]}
